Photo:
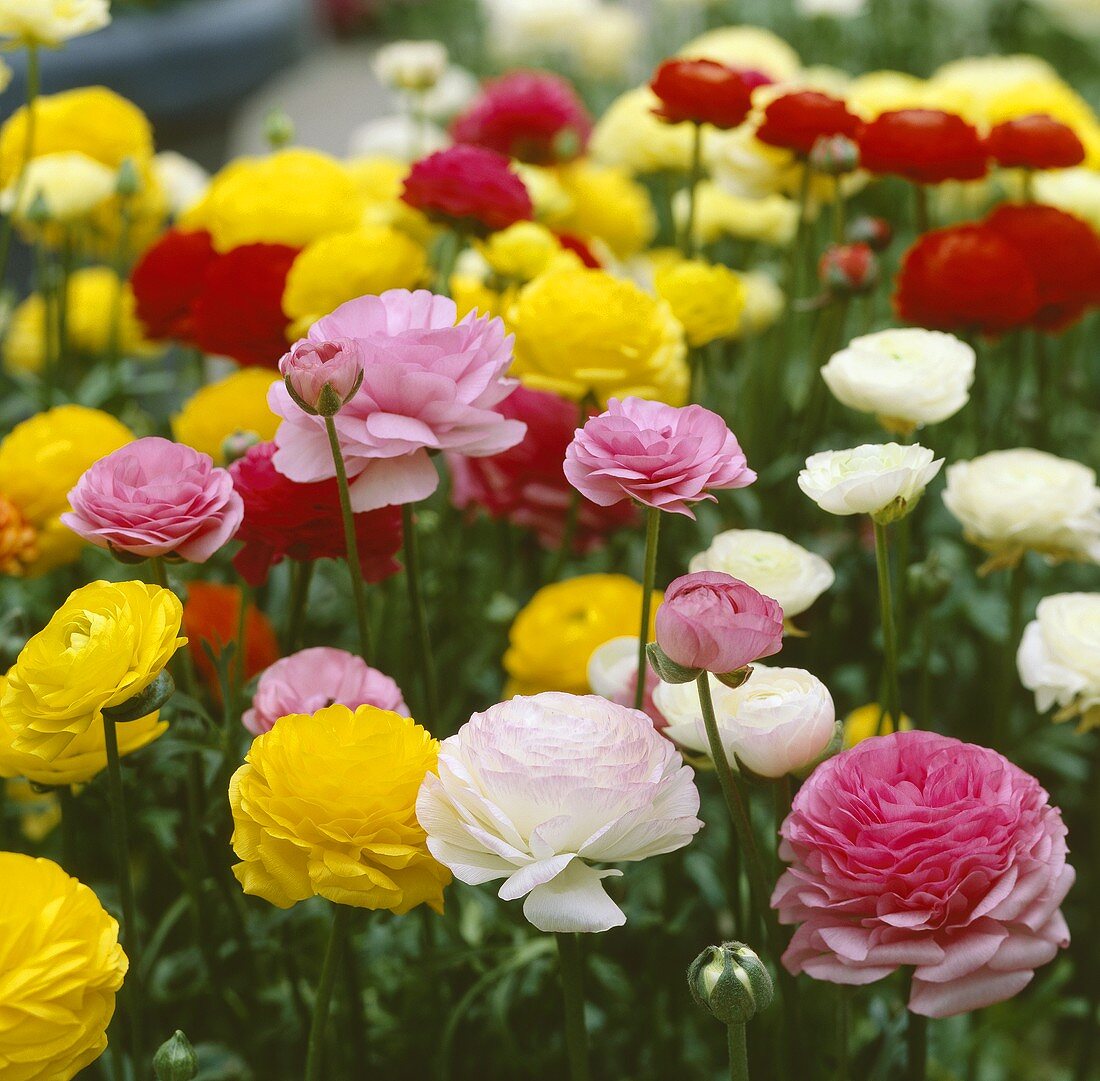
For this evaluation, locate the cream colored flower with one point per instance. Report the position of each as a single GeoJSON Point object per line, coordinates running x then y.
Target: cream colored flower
{"type": "Point", "coordinates": [70, 185]}
{"type": "Point", "coordinates": [51, 22]}
{"type": "Point", "coordinates": [630, 135]}
{"type": "Point", "coordinates": [1076, 191]}
{"type": "Point", "coordinates": [771, 219]}
{"type": "Point", "coordinates": [750, 47]}
{"type": "Point", "coordinates": [184, 181]}
{"type": "Point", "coordinates": [401, 137]}
{"type": "Point", "coordinates": [411, 66]}
{"type": "Point", "coordinates": [765, 302]}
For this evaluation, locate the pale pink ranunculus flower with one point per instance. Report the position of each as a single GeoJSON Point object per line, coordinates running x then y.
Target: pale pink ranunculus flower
{"type": "Point", "coordinates": [428, 385]}
{"type": "Point", "coordinates": [154, 498]}
{"type": "Point", "coordinates": [921, 851]}
{"type": "Point", "coordinates": [663, 456]}
{"type": "Point", "coordinates": [312, 679]}
{"type": "Point", "coordinates": [537, 790]}
{"type": "Point", "coordinates": [310, 366]}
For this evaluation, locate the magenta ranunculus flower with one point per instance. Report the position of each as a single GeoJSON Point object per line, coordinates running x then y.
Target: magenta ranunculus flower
{"type": "Point", "coordinates": [311, 679]}
{"type": "Point", "coordinates": [311, 365]}
{"type": "Point", "coordinates": [716, 622]}
{"type": "Point", "coordinates": [918, 850]}
{"type": "Point", "coordinates": [427, 385]}
{"type": "Point", "coordinates": [154, 498]}
{"type": "Point", "coordinates": [661, 456]}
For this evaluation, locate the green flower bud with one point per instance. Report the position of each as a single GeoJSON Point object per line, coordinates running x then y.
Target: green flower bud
{"type": "Point", "coordinates": [668, 671]}
{"type": "Point", "coordinates": [129, 180]}
{"type": "Point", "coordinates": [145, 702]}
{"type": "Point", "coordinates": [175, 1059]}
{"type": "Point", "coordinates": [730, 981]}
{"type": "Point", "coordinates": [237, 444]}
{"type": "Point", "coordinates": [278, 129]}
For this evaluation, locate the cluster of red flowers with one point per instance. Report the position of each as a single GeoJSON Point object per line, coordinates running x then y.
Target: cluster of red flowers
{"type": "Point", "coordinates": [1025, 265]}
{"type": "Point", "coordinates": [228, 304]}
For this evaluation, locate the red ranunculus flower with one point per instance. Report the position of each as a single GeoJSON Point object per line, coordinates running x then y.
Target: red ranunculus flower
{"type": "Point", "coordinates": [1063, 253]}
{"type": "Point", "coordinates": [211, 615]}
{"type": "Point", "coordinates": [530, 115]}
{"type": "Point", "coordinates": [966, 278]}
{"type": "Point", "coordinates": [797, 120]}
{"type": "Point", "coordinates": [166, 281]}
{"type": "Point", "coordinates": [468, 187]}
{"type": "Point", "coordinates": [1035, 142]}
{"type": "Point", "coordinates": [287, 520]}
{"type": "Point", "coordinates": [926, 146]}
{"type": "Point", "coordinates": [239, 312]}
{"type": "Point", "coordinates": [702, 91]}
{"type": "Point", "coordinates": [526, 485]}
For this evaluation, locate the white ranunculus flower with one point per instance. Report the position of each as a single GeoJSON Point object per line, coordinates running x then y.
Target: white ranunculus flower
{"type": "Point", "coordinates": [413, 66]}
{"type": "Point", "coordinates": [771, 564]}
{"type": "Point", "coordinates": [779, 721]}
{"type": "Point", "coordinates": [883, 480]}
{"type": "Point", "coordinates": [906, 376]}
{"type": "Point", "coordinates": [70, 184]}
{"type": "Point", "coordinates": [1076, 191]}
{"type": "Point", "coordinates": [520, 31]}
{"type": "Point", "coordinates": [607, 47]}
{"type": "Point", "coordinates": [51, 22]}
{"type": "Point", "coordinates": [1012, 501]}
{"type": "Point", "coordinates": [1059, 656]}
{"type": "Point", "coordinates": [398, 136]}
{"type": "Point", "coordinates": [613, 666]}
{"type": "Point", "coordinates": [836, 9]}
{"type": "Point", "coordinates": [184, 181]}
{"type": "Point", "coordinates": [454, 90]}
{"type": "Point", "coordinates": [537, 790]}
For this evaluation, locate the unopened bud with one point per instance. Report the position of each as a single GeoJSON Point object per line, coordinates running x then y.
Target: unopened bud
{"type": "Point", "coordinates": [928, 582]}
{"type": "Point", "coordinates": [237, 444]}
{"type": "Point", "coordinates": [278, 129]}
{"type": "Point", "coordinates": [848, 270]}
{"type": "Point", "coordinates": [128, 181]}
{"type": "Point", "coordinates": [834, 155]}
{"type": "Point", "coordinates": [39, 211]}
{"type": "Point", "coordinates": [876, 233]}
{"type": "Point", "coordinates": [730, 981]}
{"type": "Point", "coordinates": [321, 377]}
{"type": "Point", "coordinates": [175, 1059]}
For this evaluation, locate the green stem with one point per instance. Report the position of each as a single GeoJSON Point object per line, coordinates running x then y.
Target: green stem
{"type": "Point", "coordinates": [336, 943]}
{"type": "Point", "coordinates": [158, 572]}
{"type": "Point", "coordinates": [34, 84]}
{"type": "Point", "coordinates": [1002, 720]}
{"type": "Point", "coordinates": [301, 576]}
{"type": "Point", "coordinates": [921, 217]}
{"type": "Point", "coordinates": [739, 1052]}
{"type": "Point", "coordinates": [351, 548]}
{"type": "Point", "coordinates": [568, 535]}
{"type": "Point", "coordinates": [843, 1023]}
{"type": "Point", "coordinates": [695, 173]}
{"type": "Point", "coordinates": [413, 580]}
{"type": "Point", "coordinates": [916, 1041]}
{"type": "Point", "coordinates": [652, 528]}
{"type": "Point", "coordinates": [889, 630]}
{"type": "Point", "coordinates": [572, 988]}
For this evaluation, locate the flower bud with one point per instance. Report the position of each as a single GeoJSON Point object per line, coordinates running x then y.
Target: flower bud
{"type": "Point", "coordinates": [928, 582]}
{"type": "Point", "coordinates": [237, 444]}
{"type": "Point", "coordinates": [848, 269]}
{"type": "Point", "coordinates": [128, 182]}
{"type": "Point", "coordinates": [322, 376]}
{"type": "Point", "coordinates": [876, 233]}
{"type": "Point", "coordinates": [279, 130]}
{"type": "Point", "coordinates": [175, 1059]}
{"type": "Point", "coordinates": [730, 981]}
{"type": "Point", "coordinates": [38, 213]}
{"type": "Point", "coordinates": [834, 155]}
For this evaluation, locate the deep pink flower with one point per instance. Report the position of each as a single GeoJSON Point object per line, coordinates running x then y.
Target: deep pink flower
{"type": "Point", "coordinates": [661, 456]}
{"type": "Point", "coordinates": [310, 366]}
{"type": "Point", "coordinates": [715, 621]}
{"type": "Point", "coordinates": [154, 497]}
{"type": "Point", "coordinates": [917, 850]}
{"type": "Point", "coordinates": [311, 679]}
{"type": "Point", "coordinates": [427, 385]}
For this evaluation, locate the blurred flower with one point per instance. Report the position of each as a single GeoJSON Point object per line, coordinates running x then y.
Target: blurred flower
{"type": "Point", "coordinates": [520, 252]}
{"type": "Point", "coordinates": [212, 617]}
{"type": "Point", "coordinates": [1034, 142]}
{"type": "Point", "coordinates": [834, 155]}
{"type": "Point", "coordinates": [67, 185]}
{"type": "Point", "coordinates": [321, 376]}
{"type": "Point", "coordinates": [168, 279]}
{"type": "Point", "coordinates": [18, 540]}
{"type": "Point", "coordinates": [537, 789]}
{"type": "Point", "coordinates": [863, 723]}
{"type": "Point", "coordinates": [630, 136]}
{"type": "Point", "coordinates": [876, 233]}
{"type": "Point", "coordinates": [607, 205]}
{"type": "Point", "coordinates": [764, 302]}
{"type": "Point", "coordinates": [63, 966]}
{"type": "Point", "coordinates": [926, 146]}
{"type": "Point", "coordinates": [155, 498]}
{"type": "Point", "coordinates": [413, 66]}
{"type": "Point", "coordinates": [1059, 657]}
{"type": "Point", "coordinates": [184, 181]}
{"type": "Point", "coordinates": [105, 644]}
{"type": "Point", "coordinates": [325, 806]}
{"type": "Point", "coordinates": [613, 674]}
{"type": "Point", "coordinates": [401, 137]}
{"type": "Point", "coordinates": [796, 120]}
{"type": "Point", "coordinates": [1080, 17]}
{"type": "Point", "coordinates": [771, 219]}
{"type": "Point", "coordinates": [847, 270]}
{"type": "Point", "coordinates": [51, 23]}
{"type": "Point", "coordinates": [833, 9]}
{"type": "Point", "coordinates": [974, 855]}
{"type": "Point", "coordinates": [1076, 191]}
{"type": "Point", "coordinates": [380, 181]}
{"type": "Point", "coordinates": [707, 298]}
{"type": "Point", "coordinates": [38, 812]}
{"type": "Point", "coordinates": [313, 679]}
{"type": "Point", "coordinates": [234, 405]}
{"type": "Point", "coordinates": [609, 46]}
{"type": "Point", "coordinates": [703, 92]}
{"type": "Point", "coordinates": [749, 47]}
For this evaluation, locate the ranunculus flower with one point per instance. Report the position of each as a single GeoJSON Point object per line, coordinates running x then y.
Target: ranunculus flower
{"type": "Point", "coordinates": [287, 520]}
{"type": "Point", "coordinates": [428, 385]}
{"type": "Point", "coordinates": [536, 790]}
{"type": "Point", "coordinates": [534, 116]}
{"type": "Point", "coordinates": [63, 966]}
{"type": "Point", "coordinates": [703, 92]}
{"type": "Point", "coordinates": [50, 23]}
{"type": "Point", "coordinates": [662, 457]}
{"type": "Point", "coordinates": [323, 375]}
{"type": "Point", "coordinates": [907, 377]}
{"type": "Point", "coordinates": [156, 498]}
{"type": "Point", "coordinates": [1034, 142]}
{"type": "Point", "coordinates": [926, 146]}
{"type": "Point", "coordinates": [411, 66]}
{"type": "Point", "coordinates": [917, 850]}
{"type": "Point", "coordinates": [613, 674]}
{"type": "Point", "coordinates": [795, 121]}
{"type": "Point", "coordinates": [469, 188]}
{"type": "Point", "coordinates": [167, 281]}
{"type": "Point", "coordinates": [325, 805]}
{"type": "Point", "coordinates": [771, 564]}
{"type": "Point", "coordinates": [713, 621]}
{"type": "Point", "coordinates": [105, 645]}
{"type": "Point", "coordinates": [884, 480]}
{"type": "Point", "coordinates": [779, 721]}
{"type": "Point", "coordinates": [1013, 501]}
{"type": "Point", "coordinates": [312, 679]}
{"type": "Point", "coordinates": [69, 184]}
{"type": "Point", "coordinates": [1059, 657]}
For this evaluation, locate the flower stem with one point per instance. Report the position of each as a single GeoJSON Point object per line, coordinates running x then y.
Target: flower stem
{"type": "Point", "coordinates": [695, 173]}
{"type": "Point", "coordinates": [889, 630]}
{"type": "Point", "coordinates": [34, 82]}
{"type": "Point", "coordinates": [568, 535]}
{"type": "Point", "coordinates": [652, 528]}
{"type": "Point", "coordinates": [916, 1041]}
{"type": "Point", "coordinates": [414, 582]}
{"type": "Point", "coordinates": [350, 545]}
{"type": "Point", "coordinates": [921, 217]}
{"type": "Point", "coordinates": [336, 944]}
{"type": "Point", "coordinates": [572, 988]}
{"type": "Point", "coordinates": [739, 1052]}
{"type": "Point", "coordinates": [301, 576]}
{"type": "Point", "coordinates": [1002, 719]}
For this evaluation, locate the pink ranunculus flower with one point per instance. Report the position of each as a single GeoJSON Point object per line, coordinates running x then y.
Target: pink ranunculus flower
{"type": "Point", "coordinates": [155, 498]}
{"type": "Point", "coordinates": [661, 456]}
{"type": "Point", "coordinates": [311, 366]}
{"type": "Point", "coordinates": [918, 850]}
{"type": "Point", "coordinates": [311, 679]}
{"type": "Point", "coordinates": [428, 385]}
{"type": "Point", "coordinates": [714, 621]}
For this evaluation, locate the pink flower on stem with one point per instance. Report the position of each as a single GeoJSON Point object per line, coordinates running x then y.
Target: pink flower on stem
{"type": "Point", "coordinates": [920, 851]}
{"type": "Point", "coordinates": [322, 375]}
{"type": "Point", "coordinates": [156, 498]}
{"type": "Point", "coordinates": [661, 456]}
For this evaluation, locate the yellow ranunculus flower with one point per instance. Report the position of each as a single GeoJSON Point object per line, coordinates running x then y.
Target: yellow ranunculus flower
{"type": "Point", "coordinates": [707, 298]}
{"type": "Point", "coordinates": [380, 181]}
{"type": "Point", "coordinates": [92, 294]}
{"type": "Point", "coordinates": [62, 966]}
{"type": "Point", "coordinates": [630, 136]}
{"type": "Point", "coordinates": [237, 403]}
{"type": "Point", "coordinates": [290, 197]}
{"type": "Point", "coordinates": [771, 219]}
{"type": "Point", "coordinates": [607, 203]}
{"type": "Point", "coordinates": [40, 460]}
{"type": "Point", "coordinates": [550, 200]}
{"type": "Point", "coordinates": [70, 185]}
{"type": "Point", "coordinates": [344, 266]}
{"type": "Point", "coordinates": [51, 22]}
{"type": "Point", "coordinates": [750, 47]}
{"type": "Point", "coordinates": [862, 723]}
{"type": "Point", "coordinates": [764, 302]}
{"type": "Point", "coordinates": [102, 647]}
{"type": "Point", "coordinates": [878, 92]}
{"type": "Point", "coordinates": [583, 332]}
{"type": "Point", "coordinates": [472, 294]}
{"type": "Point", "coordinates": [325, 805]}
{"type": "Point", "coordinates": [520, 252]}
{"type": "Point", "coordinates": [1076, 191]}
{"type": "Point", "coordinates": [553, 637]}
